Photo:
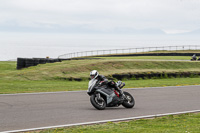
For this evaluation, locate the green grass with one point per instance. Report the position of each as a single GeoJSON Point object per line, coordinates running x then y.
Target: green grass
{"type": "Point", "coordinates": [20, 86]}
{"type": "Point", "coordinates": [25, 86]}
{"type": "Point", "coordinates": [7, 66]}
{"type": "Point", "coordinates": [185, 123]}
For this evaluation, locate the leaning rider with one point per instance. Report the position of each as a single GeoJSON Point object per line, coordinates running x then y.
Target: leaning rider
{"type": "Point", "coordinates": [104, 81]}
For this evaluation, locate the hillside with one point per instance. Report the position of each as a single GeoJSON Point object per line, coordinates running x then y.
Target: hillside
{"type": "Point", "coordinates": [74, 69]}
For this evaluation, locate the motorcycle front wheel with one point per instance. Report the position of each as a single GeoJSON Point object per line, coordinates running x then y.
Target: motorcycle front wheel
{"type": "Point", "coordinates": [129, 102]}
{"type": "Point", "coordinates": [98, 103]}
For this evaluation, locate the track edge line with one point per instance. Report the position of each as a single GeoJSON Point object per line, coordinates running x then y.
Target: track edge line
{"type": "Point", "coordinates": [103, 121]}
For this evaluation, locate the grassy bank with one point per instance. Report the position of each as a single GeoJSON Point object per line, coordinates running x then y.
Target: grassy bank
{"type": "Point", "coordinates": [185, 123]}
{"type": "Point", "coordinates": [81, 68]}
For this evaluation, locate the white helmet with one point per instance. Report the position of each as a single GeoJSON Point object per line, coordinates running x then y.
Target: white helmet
{"type": "Point", "coordinates": [93, 74]}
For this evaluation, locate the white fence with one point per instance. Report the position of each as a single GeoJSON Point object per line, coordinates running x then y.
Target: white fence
{"type": "Point", "coordinates": [128, 51]}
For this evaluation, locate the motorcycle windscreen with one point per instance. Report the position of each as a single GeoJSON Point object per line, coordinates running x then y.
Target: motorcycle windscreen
{"type": "Point", "coordinates": [91, 84]}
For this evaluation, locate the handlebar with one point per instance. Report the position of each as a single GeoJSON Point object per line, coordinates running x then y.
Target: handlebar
{"type": "Point", "coordinates": [123, 84]}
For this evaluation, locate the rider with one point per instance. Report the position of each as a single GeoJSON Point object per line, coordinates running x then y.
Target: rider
{"type": "Point", "coordinates": [104, 81]}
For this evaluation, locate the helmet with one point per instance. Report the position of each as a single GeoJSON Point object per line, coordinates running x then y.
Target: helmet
{"type": "Point", "coordinates": [94, 74]}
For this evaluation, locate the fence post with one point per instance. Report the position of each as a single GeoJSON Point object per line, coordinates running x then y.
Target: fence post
{"type": "Point", "coordinates": [128, 50]}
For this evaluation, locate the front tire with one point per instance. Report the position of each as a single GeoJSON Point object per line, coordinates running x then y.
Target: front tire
{"type": "Point", "coordinates": [130, 102]}
{"type": "Point", "coordinates": [99, 104]}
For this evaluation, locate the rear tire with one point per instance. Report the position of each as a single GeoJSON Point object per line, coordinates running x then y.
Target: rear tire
{"type": "Point", "coordinates": [98, 104]}
{"type": "Point", "coordinates": [130, 103]}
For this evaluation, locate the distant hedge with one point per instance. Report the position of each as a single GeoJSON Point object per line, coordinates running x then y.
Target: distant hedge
{"type": "Point", "coordinates": [138, 76]}
{"type": "Point", "coordinates": [153, 75]}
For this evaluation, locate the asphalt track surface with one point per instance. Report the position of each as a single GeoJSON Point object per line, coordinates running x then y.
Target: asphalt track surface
{"type": "Point", "coordinates": [25, 111]}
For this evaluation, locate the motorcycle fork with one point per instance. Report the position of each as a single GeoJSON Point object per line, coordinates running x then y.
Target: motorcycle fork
{"type": "Point", "coordinates": [98, 96]}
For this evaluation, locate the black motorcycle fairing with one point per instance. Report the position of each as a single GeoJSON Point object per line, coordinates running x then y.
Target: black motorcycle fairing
{"type": "Point", "coordinates": [93, 90]}
{"type": "Point", "coordinates": [115, 102]}
{"type": "Point", "coordinates": [106, 90]}
{"type": "Point", "coordinates": [109, 96]}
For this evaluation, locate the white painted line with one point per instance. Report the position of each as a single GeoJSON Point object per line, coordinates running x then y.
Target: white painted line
{"type": "Point", "coordinates": [103, 121]}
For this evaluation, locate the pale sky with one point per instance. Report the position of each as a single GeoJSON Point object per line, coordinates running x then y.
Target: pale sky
{"type": "Point", "coordinates": [100, 16]}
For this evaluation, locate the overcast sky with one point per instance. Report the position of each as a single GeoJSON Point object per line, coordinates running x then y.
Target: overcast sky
{"type": "Point", "coordinates": [99, 16]}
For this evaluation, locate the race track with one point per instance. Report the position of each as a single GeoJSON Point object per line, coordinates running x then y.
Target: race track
{"type": "Point", "coordinates": [25, 111]}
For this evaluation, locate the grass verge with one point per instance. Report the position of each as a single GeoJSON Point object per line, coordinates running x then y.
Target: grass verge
{"type": "Point", "coordinates": [184, 123]}
{"type": "Point", "coordinates": [26, 86]}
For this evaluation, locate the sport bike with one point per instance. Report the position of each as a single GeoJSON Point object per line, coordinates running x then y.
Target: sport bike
{"type": "Point", "coordinates": [102, 96]}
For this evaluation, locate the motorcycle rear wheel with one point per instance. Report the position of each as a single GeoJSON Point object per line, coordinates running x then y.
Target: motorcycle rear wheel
{"type": "Point", "coordinates": [99, 104]}
{"type": "Point", "coordinates": [130, 102]}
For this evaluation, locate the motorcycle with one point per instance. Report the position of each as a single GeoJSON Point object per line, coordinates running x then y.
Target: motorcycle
{"type": "Point", "coordinates": [102, 96]}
